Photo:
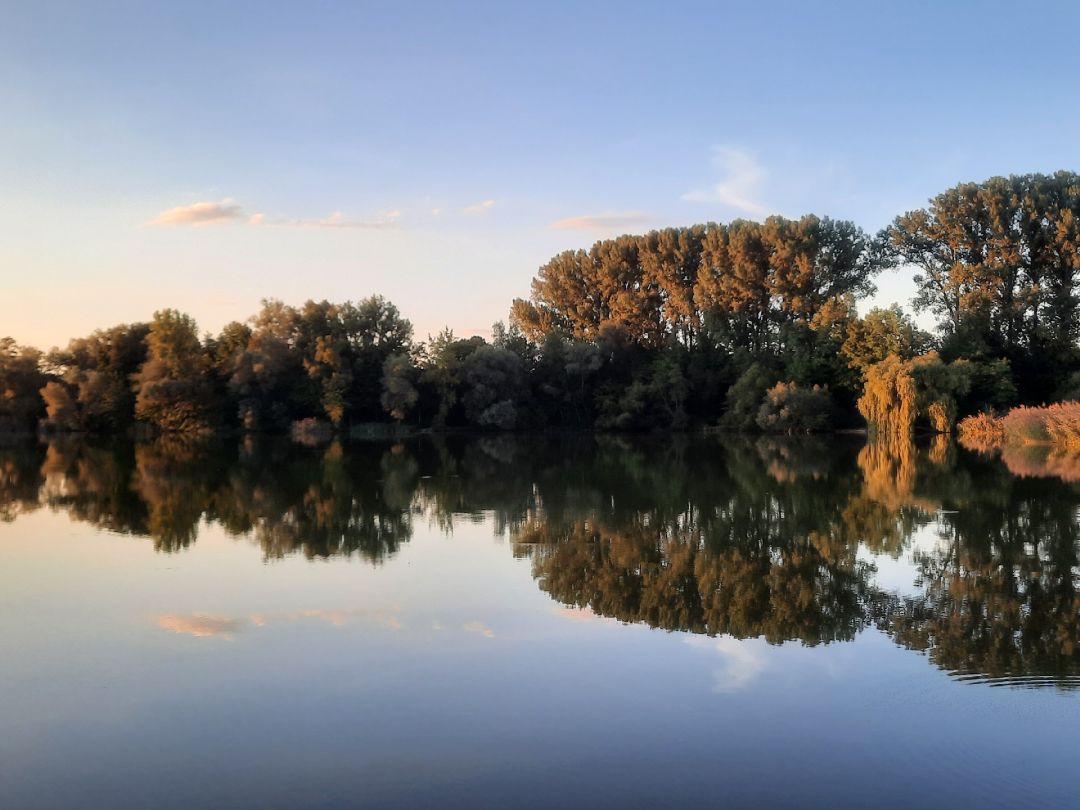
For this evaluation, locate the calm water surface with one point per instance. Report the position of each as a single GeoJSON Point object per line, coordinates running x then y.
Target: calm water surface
{"type": "Point", "coordinates": [526, 622]}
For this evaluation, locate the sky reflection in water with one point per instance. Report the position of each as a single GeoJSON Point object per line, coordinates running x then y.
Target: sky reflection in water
{"type": "Point", "coordinates": [483, 620]}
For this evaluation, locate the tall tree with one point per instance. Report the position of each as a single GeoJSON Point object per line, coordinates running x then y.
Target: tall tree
{"type": "Point", "coordinates": [996, 261]}
{"type": "Point", "coordinates": [399, 394]}
{"type": "Point", "coordinates": [97, 371]}
{"type": "Point", "coordinates": [173, 391]}
{"type": "Point", "coordinates": [20, 380]}
{"type": "Point", "coordinates": [878, 334]}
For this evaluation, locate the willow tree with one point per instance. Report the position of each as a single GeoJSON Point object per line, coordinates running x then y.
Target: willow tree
{"type": "Point", "coordinates": [61, 411]}
{"type": "Point", "coordinates": [888, 402]}
{"type": "Point", "coordinates": [897, 393]}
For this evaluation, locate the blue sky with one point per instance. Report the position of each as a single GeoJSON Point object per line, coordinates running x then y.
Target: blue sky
{"type": "Point", "coordinates": [205, 156]}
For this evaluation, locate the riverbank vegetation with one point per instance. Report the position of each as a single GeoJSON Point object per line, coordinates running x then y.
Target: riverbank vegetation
{"type": "Point", "coordinates": [744, 325]}
{"type": "Point", "coordinates": [1057, 425]}
{"type": "Point", "coordinates": [1031, 441]}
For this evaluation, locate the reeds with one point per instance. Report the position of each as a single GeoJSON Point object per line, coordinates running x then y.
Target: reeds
{"type": "Point", "coordinates": [1057, 425]}
{"type": "Point", "coordinates": [1063, 424]}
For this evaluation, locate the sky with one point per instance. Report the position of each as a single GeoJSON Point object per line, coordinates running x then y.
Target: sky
{"type": "Point", "coordinates": [205, 156]}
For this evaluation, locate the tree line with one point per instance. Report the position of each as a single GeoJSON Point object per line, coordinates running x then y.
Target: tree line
{"type": "Point", "coordinates": [750, 325]}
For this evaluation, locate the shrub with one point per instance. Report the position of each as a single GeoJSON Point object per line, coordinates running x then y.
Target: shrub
{"type": "Point", "coordinates": [1025, 425]}
{"type": "Point", "coordinates": [939, 385]}
{"type": "Point", "coordinates": [1063, 424]}
{"type": "Point", "coordinates": [1058, 425]}
{"type": "Point", "coordinates": [790, 409]}
{"type": "Point", "coordinates": [502, 415]}
{"type": "Point", "coordinates": [744, 397]}
{"type": "Point", "coordinates": [983, 432]}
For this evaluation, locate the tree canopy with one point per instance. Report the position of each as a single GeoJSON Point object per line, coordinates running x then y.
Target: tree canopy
{"type": "Point", "coordinates": [997, 262]}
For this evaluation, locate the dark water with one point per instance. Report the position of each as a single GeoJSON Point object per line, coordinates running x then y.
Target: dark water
{"type": "Point", "coordinates": [536, 622]}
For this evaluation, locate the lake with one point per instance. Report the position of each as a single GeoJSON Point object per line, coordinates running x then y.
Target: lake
{"type": "Point", "coordinates": [537, 621]}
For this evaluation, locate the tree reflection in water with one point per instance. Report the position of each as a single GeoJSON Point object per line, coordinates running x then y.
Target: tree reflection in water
{"type": "Point", "coordinates": [749, 538]}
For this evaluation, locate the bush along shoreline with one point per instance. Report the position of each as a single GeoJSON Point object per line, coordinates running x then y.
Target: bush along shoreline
{"type": "Point", "coordinates": [1056, 425]}
{"type": "Point", "coordinates": [746, 326]}
{"type": "Point", "coordinates": [1031, 441]}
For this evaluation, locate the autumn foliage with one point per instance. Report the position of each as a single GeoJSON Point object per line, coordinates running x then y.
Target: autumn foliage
{"type": "Point", "coordinates": [899, 393]}
{"type": "Point", "coordinates": [981, 431]}
{"type": "Point", "coordinates": [1057, 425]}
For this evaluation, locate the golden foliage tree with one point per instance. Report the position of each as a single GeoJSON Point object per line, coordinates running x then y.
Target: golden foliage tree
{"type": "Point", "coordinates": [899, 392]}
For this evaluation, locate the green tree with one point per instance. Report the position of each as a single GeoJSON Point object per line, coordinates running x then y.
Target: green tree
{"type": "Point", "coordinates": [399, 394]}
{"type": "Point", "coordinates": [442, 373]}
{"type": "Point", "coordinates": [265, 377]}
{"type": "Point", "coordinates": [21, 379]}
{"type": "Point", "coordinates": [878, 334]}
{"type": "Point", "coordinates": [97, 371]}
{"type": "Point", "coordinates": [745, 397]}
{"type": "Point", "coordinates": [495, 387]}
{"type": "Point", "coordinates": [790, 409]}
{"type": "Point", "coordinates": [996, 261]}
{"type": "Point", "coordinates": [174, 392]}
{"type": "Point", "coordinates": [375, 331]}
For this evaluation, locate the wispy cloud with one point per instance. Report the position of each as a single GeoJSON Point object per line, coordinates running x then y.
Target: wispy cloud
{"type": "Point", "coordinates": [741, 179]}
{"type": "Point", "coordinates": [199, 625]}
{"type": "Point", "coordinates": [202, 625]}
{"type": "Point", "coordinates": [478, 208]}
{"type": "Point", "coordinates": [742, 665]}
{"type": "Point", "coordinates": [603, 222]}
{"type": "Point", "coordinates": [339, 618]}
{"type": "Point", "coordinates": [479, 627]}
{"type": "Point", "coordinates": [339, 221]}
{"type": "Point", "coordinates": [217, 213]}
{"type": "Point", "coordinates": [200, 213]}
{"type": "Point", "coordinates": [336, 221]}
